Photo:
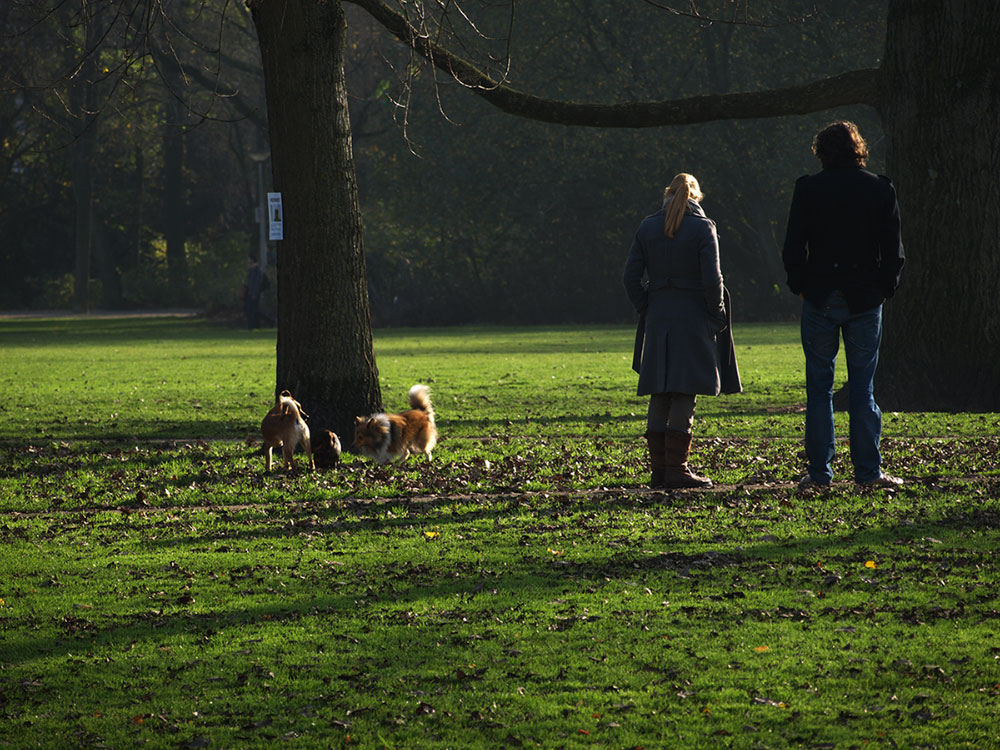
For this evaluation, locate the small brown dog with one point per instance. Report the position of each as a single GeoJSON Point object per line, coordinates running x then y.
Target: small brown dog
{"type": "Point", "coordinates": [385, 437]}
{"type": "Point", "coordinates": [284, 427]}
{"type": "Point", "coordinates": [326, 449]}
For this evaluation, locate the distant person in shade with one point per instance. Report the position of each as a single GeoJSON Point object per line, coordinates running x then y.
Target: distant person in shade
{"type": "Point", "coordinates": [843, 254]}
{"type": "Point", "coordinates": [684, 345]}
{"type": "Point", "coordinates": [256, 282]}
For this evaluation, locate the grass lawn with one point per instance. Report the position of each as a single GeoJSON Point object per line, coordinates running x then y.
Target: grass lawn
{"type": "Point", "coordinates": [523, 590]}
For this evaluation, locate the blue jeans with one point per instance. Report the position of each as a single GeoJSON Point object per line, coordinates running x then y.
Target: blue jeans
{"type": "Point", "coordinates": [821, 331]}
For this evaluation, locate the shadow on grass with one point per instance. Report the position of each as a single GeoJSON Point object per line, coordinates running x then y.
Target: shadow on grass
{"type": "Point", "coordinates": [387, 591]}
{"type": "Point", "coordinates": [556, 511]}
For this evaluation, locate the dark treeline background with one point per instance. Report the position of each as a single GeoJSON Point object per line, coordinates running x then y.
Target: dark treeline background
{"type": "Point", "coordinates": [140, 163]}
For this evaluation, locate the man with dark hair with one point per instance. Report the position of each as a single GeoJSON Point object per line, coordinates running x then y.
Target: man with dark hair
{"type": "Point", "coordinates": [843, 255]}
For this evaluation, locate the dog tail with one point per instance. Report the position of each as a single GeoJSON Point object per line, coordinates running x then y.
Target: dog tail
{"type": "Point", "coordinates": [290, 406]}
{"type": "Point", "coordinates": [420, 398]}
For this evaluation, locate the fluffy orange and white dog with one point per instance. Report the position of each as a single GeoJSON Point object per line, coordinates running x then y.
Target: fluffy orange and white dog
{"type": "Point", "coordinates": [285, 427]}
{"type": "Point", "coordinates": [385, 437]}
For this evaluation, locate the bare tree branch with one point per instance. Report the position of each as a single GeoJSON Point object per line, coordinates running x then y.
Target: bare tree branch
{"type": "Point", "coordinates": [854, 87]}
{"type": "Point", "coordinates": [439, 25]}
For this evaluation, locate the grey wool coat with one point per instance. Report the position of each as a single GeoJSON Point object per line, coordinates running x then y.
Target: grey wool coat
{"type": "Point", "coordinates": [687, 345]}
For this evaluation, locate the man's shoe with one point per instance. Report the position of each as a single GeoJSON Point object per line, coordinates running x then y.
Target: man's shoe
{"type": "Point", "coordinates": [808, 483]}
{"type": "Point", "coordinates": [883, 481]}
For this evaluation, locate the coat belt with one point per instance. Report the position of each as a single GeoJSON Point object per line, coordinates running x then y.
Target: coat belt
{"type": "Point", "coordinates": [674, 283]}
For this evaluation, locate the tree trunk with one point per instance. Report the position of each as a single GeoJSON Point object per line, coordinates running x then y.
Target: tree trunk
{"type": "Point", "coordinates": [139, 195]}
{"type": "Point", "coordinates": [940, 105]}
{"type": "Point", "coordinates": [325, 356]}
{"type": "Point", "coordinates": [83, 179]}
{"type": "Point", "coordinates": [83, 106]}
{"type": "Point", "coordinates": [173, 193]}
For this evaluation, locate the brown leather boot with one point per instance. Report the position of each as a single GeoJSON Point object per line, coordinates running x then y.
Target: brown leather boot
{"type": "Point", "coordinates": [656, 460]}
{"type": "Point", "coordinates": [677, 446]}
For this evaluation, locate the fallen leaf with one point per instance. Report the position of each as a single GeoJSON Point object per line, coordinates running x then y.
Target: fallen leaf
{"type": "Point", "coordinates": [762, 701]}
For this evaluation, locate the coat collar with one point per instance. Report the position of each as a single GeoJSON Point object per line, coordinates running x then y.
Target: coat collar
{"type": "Point", "coordinates": [692, 208]}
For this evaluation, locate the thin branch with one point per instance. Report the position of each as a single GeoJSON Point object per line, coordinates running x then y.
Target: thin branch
{"type": "Point", "coordinates": [734, 21]}
{"type": "Point", "coordinates": [855, 87]}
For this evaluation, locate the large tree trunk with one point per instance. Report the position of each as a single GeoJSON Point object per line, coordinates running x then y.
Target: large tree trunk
{"type": "Point", "coordinates": [325, 356]}
{"type": "Point", "coordinates": [83, 184]}
{"type": "Point", "coordinates": [940, 107]}
{"type": "Point", "coordinates": [83, 107]}
{"type": "Point", "coordinates": [173, 193]}
{"type": "Point", "coordinates": [135, 247]}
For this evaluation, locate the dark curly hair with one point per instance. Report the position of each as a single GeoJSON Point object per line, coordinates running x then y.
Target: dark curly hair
{"type": "Point", "coordinates": [840, 144]}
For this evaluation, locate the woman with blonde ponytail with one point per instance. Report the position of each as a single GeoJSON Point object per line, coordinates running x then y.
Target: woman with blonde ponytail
{"type": "Point", "coordinates": [684, 345]}
{"type": "Point", "coordinates": [684, 188]}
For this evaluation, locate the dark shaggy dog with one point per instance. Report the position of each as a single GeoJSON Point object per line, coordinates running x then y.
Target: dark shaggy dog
{"type": "Point", "coordinates": [326, 449]}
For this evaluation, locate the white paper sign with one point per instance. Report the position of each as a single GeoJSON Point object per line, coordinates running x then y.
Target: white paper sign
{"type": "Point", "coordinates": [274, 220]}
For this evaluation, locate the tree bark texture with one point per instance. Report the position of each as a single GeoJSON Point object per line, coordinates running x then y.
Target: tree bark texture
{"type": "Point", "coordinates": [940, 108]}
{"type": "Point", "coordinates": [325, 355]}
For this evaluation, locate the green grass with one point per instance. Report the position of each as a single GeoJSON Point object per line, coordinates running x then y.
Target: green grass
{"type": "Point", "coordinates": [131, 379]}
{"type": "Point", "coordinates": [523, 590]}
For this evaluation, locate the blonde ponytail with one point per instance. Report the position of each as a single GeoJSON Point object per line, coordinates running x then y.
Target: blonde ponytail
{"type": "Point", "coordinates": [683, 188]}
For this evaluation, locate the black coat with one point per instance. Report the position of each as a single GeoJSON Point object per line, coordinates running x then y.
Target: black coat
{"type": "Point", "coordinates": [843, 233]}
